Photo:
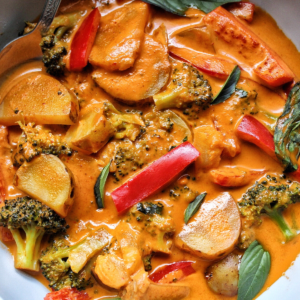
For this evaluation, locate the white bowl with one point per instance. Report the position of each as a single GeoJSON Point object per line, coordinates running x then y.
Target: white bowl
{"type": "Point", "coordinates": [16, 285]}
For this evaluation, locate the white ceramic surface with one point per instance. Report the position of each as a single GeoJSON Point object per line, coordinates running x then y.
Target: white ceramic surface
{"type": "Point", "coordinates": [16, 285]}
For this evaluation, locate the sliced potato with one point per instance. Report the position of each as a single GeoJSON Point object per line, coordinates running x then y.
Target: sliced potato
{"type": "Point", "coordinates": [128, 240]}
{"type": "Point", "coordinates": [40, 99]}
{"type": "Point", "coordinates": [91, 133]}
{"type": "Point", "coordinates": [120, 36]}
{"type": "Point", "coordinates": [111, 271]}
{"type": "Point", "coordinates": [148, 75]}
{"type": "Point", "coordinates": [85, 251]}
{"type": "Point", "coordinates": [47, 179]}
{"type": "Point", "coordinates": [214, 231]}
{"type": "Point", "coordinates": [223, 276]}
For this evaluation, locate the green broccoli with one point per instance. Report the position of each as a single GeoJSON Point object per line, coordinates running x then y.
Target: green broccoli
{"type": "Point", "coordinates": [64, 265]}
{"type": "Point", "coordinates": [56, 267]}
{"type": "Point", "coordinates": [53, 46]}
{"type": "Point", "coordinates": [187, 86]}
{"type": "Point", "coordinates": [35, 140]}
{"type": "Point", "coordinates": [127, 125]}
{"type": "Point", "coordinates": [270, 196]}
{"type": "Point", "coordinates": [36, 220]}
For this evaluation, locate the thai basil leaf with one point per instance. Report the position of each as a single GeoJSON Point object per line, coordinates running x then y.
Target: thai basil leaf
{"type": "Point", "coordinates": [100, 185]}
{"type": "Point", "coordinates": [229, 87]}
{"type": "Point", "coordinates": [254, 270]}
{"type": "Point", "coordinates": [179, 7]}
{"type": "Point", "coordinates": [193, 207]}
{"type": "Point", "coordinates": [287, 132]}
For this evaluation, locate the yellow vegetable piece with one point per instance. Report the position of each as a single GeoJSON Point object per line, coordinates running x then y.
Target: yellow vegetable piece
{"type": "Point", "coordinates": [93, 244]}
{"type": "Point", "coordinates": [214, 231]}
{"type": "Point", "coordinates": [119, 38]}
{"type": "Point", "coordinates": [91, 133]}
{"type": "Point", "coordinates": [111, 270]}
{"type": "Point", "coordinates": [149, 74]}
{"type": "Point", "coordinates": [48, 180]}
{"type": "Point", "coordinates": [40, 99]}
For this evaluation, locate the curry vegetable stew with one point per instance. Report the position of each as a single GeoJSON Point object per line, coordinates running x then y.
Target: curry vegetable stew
{"type": "Point", "coordinates": [152, 153]}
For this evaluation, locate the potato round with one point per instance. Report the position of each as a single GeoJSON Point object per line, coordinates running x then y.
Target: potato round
{"type": "Point", "coordinates": [214, 231]}
{"type": "Point", "coordinates": [223, 276]}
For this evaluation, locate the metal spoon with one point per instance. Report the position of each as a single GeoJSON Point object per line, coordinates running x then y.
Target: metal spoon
{"type": "Point", "coordinates": [27, 47]}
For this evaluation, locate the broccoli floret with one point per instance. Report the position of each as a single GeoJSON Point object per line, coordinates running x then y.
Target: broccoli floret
{"type": "Point", "coordinates": [127, 125]}
{"type": "Point", "coordinates": [147, 262]}
{"type": "Point", "coordinates": [53, 46]}
{"type": "Point", "coordinates": [149, 218]}
{"type": "Point", "coordinates": [187, 86]}
{"type": "Point", "coordinates": [36, 220]}
{"type": "Point", "coordinates": [56, 268]}
{"type": "Point", "coordinates": [270, 196]}
{"type": "Point", "coordinates": [36, 140]}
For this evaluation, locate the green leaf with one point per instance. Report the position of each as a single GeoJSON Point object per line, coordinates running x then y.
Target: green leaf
{"type": "Point", "coordinates": [254, 270]}
{"type": "Point", "coordinates": [100, 185]}
{"type": "Point", "coordinates": [286, 136]}
{"type": "Point", "coordinates": [229, 87]}
{"type": "Point", "coordinates": [179, 7]}
{"type": "Point", "coordinates": [193, 207]}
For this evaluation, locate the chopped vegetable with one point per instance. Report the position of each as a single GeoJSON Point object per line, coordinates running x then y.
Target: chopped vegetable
{"type": "Point", "coordinates": [233, 176]}
{"type": "Point", "coordinates": [83, 41]}
{"type": "Point", "coordinates": [287, 137]}
{"type": "Point", "coordinates": [161, 272]}
{"type": "Point", "coordinates": [100, 186]}
{"type": "Point", "coordinates": [223, 276]}
{"type": "Point", "coordinates": [242, 10]}
{"type": "Point", "coordinates": [176, 160]}
{"type": "Point", "coordinates": [215, 230]}
{"type": "Point", "coordinates": [229, 86]}
{"type": "Point", "coordinates": [47, 179]}
{"type": "Point", "coordinates": [254, 270]}
{"type": "Point", "coordinates": [206, 63]}
{"type": "Point", "coordinates": [149, 74]}
{"type": "Point", "coordinates": [31, 101]}
{"type": "Point", "coordinates": [254, 132]}
{"type": "Point", "coordinates": [67, 293]}
{"type": "Point", "coordinates": [120, 36]}
{"type": "Point", "coordinates": [193, 207]}
{"type": "Point", "coordinates": [265, 63]}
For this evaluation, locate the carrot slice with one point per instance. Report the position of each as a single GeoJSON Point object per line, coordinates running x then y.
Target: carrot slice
{"type": "Point", "coordinates": [266, 64]}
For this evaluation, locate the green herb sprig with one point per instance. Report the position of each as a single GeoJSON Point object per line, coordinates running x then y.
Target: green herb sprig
{"type": "Point", "coordinates": [100, 185]}
{"type": "Point", "coordinates": [193, 207]}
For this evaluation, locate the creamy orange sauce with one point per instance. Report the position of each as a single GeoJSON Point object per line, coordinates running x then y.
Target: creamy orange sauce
{"type": "Point", "coordinates": [84, 217]}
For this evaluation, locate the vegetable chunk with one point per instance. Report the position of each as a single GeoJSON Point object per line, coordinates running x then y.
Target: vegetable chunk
{"type": "Point", "coordinates": [223, 276]}
{"type": "Point", "coordinates": [120, 36]}
{"type": "Point", "coordinates": [111, 270]}
{"type": "Point", "coordinates": [40, 99]}
{"type": "Point", "coordinates": [247, 46]}
{"type": "Point", "coordinates": [215, 230]}
{"type": "Point", "coordinates": [47, 179]}
{"type": "Point", "coordinates": [148, 75]}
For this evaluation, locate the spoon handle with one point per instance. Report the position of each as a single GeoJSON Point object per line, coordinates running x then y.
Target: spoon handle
{"type": "Point", "coordinates": [48, 15]}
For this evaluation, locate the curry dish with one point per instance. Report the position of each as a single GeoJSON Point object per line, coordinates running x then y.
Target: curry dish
{"type": "Point", "coordinates": [152, 152]}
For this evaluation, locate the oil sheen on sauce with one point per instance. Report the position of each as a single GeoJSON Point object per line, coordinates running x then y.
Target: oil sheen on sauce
{"type": "Point", "coordinates": [84, 216]}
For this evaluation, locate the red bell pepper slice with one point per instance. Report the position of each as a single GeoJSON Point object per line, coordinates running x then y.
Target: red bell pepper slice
{"type": "Point", "coordinates": [254, 132]}
{"type": "Point", "coordinates": [184, 266]}
{"type": "Point", "coordinates": [210, 64]}
{"type": "Point", "coordinates": [154, 177]}
{"type": "Point", "coordinates": [83, 41]}
{"type": "Point", "coordinates": [242, 10]}
{"type": "Point", "coordinates": [67, 294]}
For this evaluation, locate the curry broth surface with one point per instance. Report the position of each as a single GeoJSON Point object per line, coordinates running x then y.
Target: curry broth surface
{"type": "Point", "coordinates": [84, 216]}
